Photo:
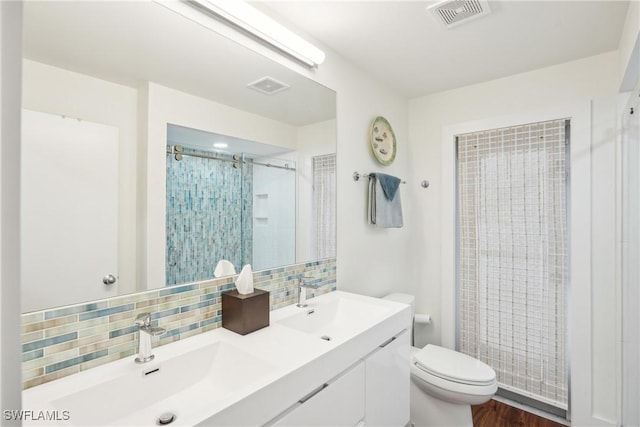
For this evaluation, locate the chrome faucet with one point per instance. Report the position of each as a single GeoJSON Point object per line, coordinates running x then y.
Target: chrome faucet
{"type": "Point", "coordinates": [302, 290]}
{"type": "Point", "coordinates": [145, 332]}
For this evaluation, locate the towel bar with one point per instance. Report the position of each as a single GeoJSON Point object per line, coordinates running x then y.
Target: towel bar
{"type": "Point", "coordinates": [358, 175]}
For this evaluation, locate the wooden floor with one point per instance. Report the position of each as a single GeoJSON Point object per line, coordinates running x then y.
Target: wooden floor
{"type": "Point", "coordinates": [497, 414]}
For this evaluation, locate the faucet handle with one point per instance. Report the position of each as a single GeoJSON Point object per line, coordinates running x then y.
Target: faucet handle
{"type": "Point", "coordinates": [303, 284]}
{"type": "Point", "coordinates": [143, 320]}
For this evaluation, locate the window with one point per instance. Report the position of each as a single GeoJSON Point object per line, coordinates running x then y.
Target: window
{"type": "Point", "coordinates": [513, 256]}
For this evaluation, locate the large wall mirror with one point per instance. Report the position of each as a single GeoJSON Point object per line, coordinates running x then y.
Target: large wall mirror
{"type": "Point", "coordinates": [153, 148]}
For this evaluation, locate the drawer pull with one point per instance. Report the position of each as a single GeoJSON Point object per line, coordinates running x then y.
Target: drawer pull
{"type": "Point", "coordinates": [313, 393]}
{"type": "Point", "coordinates": [387, 342]}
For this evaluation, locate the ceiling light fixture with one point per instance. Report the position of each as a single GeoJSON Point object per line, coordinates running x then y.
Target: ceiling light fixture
{"type": "Point", "coordinates": [220, 145]}
{"type": "Point", "coordinates": [251, 21]}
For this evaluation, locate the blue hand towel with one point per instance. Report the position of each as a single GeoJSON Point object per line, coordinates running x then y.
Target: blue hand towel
{"type": "Point", "coordinates": [389, 184]}
{"type": "Point", "coordinates": [384, 212]}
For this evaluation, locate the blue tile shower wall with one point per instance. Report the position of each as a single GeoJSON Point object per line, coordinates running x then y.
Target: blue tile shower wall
{"type": "Point", "coordinates": [63, 341]}
{"type": "Point", "coordinates": [209, 216]}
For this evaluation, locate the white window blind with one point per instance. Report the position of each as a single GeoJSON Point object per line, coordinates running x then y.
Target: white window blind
{"type": "Point", "coordinates": [513, 256]}
{"type": "Point", "coordinates": [324, 205]}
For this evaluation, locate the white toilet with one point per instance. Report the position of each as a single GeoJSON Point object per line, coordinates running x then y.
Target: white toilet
{"type": "Point", "coordinates": [445, 383]}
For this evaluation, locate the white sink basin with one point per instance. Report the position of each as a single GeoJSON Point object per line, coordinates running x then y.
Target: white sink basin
{"type": "Point", "coordinates": [338, 319]}
{"type": "Point", "coordinates": [142, 396]}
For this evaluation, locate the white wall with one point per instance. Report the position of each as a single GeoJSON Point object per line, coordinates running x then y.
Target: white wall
{"type": "Point", "coordinates": [565, 84]}
{"type": "Point", "coordinates": [10, 88]}
{"type": "Point", "coordinates": [369, 261]}
{"type": "Point", "coordinates": [58, 91]}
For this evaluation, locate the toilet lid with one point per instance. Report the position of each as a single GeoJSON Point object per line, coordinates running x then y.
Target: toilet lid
{"type": "Point", "coordinates": [453, 366]}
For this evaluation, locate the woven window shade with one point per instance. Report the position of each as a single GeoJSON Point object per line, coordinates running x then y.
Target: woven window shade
{"type": "Point", "coordinates": [513, 256]}
{"type": "Point", "coordinates": [324, 205]}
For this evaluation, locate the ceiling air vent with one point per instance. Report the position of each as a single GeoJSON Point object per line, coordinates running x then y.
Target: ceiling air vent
{"type": "Point", "coordinates": [268, 85]}
{"type": "Point", "coordinates": [451, 13]}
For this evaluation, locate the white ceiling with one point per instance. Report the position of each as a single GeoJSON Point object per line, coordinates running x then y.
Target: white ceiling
{"type": "Point", "coordinates": [401, 44]}
{"type": "Point", "coordinates": [398, 42]}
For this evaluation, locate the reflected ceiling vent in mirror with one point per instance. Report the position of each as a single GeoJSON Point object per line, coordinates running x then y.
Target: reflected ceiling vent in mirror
{"type": "Point", "coordinates": [268, 85]}
{"type": "Point", "coordinates": [452, 13]}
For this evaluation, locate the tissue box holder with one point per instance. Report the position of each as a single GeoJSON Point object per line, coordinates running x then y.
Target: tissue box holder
{"type": "Point", "coordinates": [244, 314]}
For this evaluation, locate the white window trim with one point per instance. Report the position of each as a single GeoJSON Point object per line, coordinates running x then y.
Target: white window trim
{"type": "Point", "coordinates": [580, 304]}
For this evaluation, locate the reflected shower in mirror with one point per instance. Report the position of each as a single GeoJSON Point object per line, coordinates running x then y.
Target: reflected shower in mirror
{"type": "Point", "coordinates": [227, 199]}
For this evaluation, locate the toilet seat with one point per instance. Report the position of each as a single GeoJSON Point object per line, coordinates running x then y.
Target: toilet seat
{"type": "Point", "coordinates": [453, 366]}
{"type": "Point", "coordinates": [451, 385]}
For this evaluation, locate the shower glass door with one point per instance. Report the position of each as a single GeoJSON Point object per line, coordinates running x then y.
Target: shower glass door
{"type": "Point", "coordinates": [209, 202]}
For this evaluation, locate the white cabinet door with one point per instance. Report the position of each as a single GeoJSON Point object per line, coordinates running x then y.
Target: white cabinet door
{"type": "Point", "coordinates": [387, 383]}
{"type": "Point", "coordinates": [339, 403]}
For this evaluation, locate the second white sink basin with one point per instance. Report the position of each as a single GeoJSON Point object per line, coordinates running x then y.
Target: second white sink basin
{"type": "Point", "coordinates": [338, 319]}
{"type": "Point", "coordinates": [143, 396]}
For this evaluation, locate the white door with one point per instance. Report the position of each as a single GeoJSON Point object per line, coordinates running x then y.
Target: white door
{"type": "Point", "coordinates": [69, 210]}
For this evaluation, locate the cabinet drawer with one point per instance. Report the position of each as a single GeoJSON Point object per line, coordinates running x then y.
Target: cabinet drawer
{"type": "Point", "coordinates": [338, 403]}
{"type": "Point", "coordinates": [388, 379]}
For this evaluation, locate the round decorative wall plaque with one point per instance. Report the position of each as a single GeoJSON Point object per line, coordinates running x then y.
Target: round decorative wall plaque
{"type": "Point", "coordinates": [382, 141]}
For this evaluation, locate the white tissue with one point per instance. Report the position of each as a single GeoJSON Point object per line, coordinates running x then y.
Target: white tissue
{"type": "Point", "coordinates": [244, 284]}
{"type": "Point", "coordinates": [224, 268]}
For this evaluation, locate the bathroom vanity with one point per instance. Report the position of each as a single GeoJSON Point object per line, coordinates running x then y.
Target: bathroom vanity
{"type": "Point", "coordinates": [342, 360]}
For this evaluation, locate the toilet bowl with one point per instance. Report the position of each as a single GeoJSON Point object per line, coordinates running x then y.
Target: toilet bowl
{"type": "Point", "coordinates": [445, 383]}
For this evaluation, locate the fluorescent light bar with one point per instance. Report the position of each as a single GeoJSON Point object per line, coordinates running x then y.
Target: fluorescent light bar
{"type": "Point", "coordinates": [245, 17]}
